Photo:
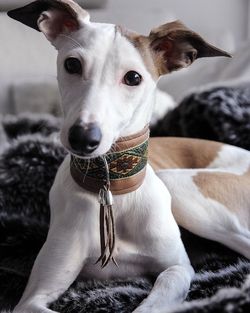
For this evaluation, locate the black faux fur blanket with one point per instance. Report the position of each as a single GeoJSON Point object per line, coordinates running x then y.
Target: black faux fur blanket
{"type": "Point", "coordinates": [28, 163]}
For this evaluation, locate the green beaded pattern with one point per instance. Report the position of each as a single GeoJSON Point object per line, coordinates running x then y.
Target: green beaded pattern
{"type": "Point", "coordinates": [121, 164]}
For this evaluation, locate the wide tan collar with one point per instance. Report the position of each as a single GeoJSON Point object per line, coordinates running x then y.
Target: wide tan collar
{"type": "Point", "coordinates": [126, 162]}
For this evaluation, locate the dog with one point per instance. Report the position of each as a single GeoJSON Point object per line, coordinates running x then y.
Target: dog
{"type": "Point", "coordinates": [119, 193]}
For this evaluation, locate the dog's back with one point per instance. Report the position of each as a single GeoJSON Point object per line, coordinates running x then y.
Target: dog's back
{"type": "Point", "coordinates": [172, 152]}
{"type": "Point", "coordinates": [210, 185]}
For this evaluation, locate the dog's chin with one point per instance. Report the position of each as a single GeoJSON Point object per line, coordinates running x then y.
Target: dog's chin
{"type": "Point", "coordinates": [87, 156]}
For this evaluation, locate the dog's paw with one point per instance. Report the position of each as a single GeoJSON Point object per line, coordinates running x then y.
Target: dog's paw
{"type": "Point", "coordinates": [152, 308]}
{"type": "Point", "coordinates": [32, 309]}
{"type": "Point", "coordinates": [145, 309]}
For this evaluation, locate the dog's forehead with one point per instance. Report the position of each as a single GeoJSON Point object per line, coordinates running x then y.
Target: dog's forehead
{"type": "Point", "coordinates": [103, 35]}
{"type": "Point", "coordinates": [95, 33]}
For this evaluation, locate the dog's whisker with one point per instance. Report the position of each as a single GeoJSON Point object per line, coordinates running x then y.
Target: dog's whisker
{"type": "Point", "coordinates": [72, 39]}
{"type": "Point", "coordinates": [113, 148]}
{"type": "Point", "coordinates": [12, 271]}
{"type": "Point", "coordinates": [87, 169]}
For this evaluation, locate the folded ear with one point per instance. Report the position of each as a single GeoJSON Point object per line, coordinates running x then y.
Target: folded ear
{"type": "Point", "coordinates": [52, 17]}
{"type": "Point", "coordinates": [174, 46]}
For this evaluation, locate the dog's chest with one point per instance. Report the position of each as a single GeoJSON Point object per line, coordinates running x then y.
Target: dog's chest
{"type": "Point", "coordinates": [130, 263]}
{"type": "Point", "coordinates": [130, 254]}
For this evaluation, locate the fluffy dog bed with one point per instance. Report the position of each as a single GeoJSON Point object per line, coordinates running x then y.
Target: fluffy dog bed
{"type": "Point", "coordinates": [221, 114]}
{"type": "Point", "coordinates": [29, 160]}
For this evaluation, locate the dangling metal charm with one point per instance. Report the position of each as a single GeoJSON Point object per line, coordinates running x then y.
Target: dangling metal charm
{"type": "Point", "coordinates": [105, 197]}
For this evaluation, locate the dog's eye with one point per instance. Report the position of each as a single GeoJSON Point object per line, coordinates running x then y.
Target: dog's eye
{"type": "Point", "coordinates": [73, 66]}
{"type": "Point", "coordinates": [132, 78]}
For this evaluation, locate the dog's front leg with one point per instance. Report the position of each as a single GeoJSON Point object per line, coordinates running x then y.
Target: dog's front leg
{"type": "Point", "coordinates": [164, 244]}
{"type": "Point", "coordinates": [170, 289]}
{"type": "Point", "coordinates": [58, 263]}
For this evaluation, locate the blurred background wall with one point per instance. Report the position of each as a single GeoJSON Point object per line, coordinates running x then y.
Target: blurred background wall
{"type": "Point", "coordinates": [28, 62]}
{"type": "Point", "coordinates": [216, 19]}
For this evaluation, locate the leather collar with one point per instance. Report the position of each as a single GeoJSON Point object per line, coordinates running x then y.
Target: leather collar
{"type": "Point", "coordinates": [127, 160]}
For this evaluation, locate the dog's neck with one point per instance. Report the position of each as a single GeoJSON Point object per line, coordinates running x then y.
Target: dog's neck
{"type": "Point", "coordinates": [126, 162]}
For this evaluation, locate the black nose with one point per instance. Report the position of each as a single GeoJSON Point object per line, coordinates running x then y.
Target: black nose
{"type": "Point", "coordinates": [84, 139]}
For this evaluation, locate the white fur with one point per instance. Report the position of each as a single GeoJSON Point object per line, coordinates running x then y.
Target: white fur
{"type": "Point", "coordinates": [232, 160]}
{"type": "Point", "coordinates": [148, 238]}
{"type": "Point", "coordinates": [163, 103]}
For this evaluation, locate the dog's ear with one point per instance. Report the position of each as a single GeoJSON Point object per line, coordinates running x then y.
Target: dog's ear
{"type": "Point", "coordinates": [174, 46]}
{"type": "Point", "coordinates": [52, 17]}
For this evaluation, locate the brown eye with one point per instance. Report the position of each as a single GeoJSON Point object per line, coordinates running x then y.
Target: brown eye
{"type": "Point", "coordinates": [73, 66]}
{"type": "Point", "coordinates": [132, 78]}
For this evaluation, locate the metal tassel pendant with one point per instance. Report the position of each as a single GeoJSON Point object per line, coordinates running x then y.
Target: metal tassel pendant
{"type": "Point", "coordinates": [107, 227]}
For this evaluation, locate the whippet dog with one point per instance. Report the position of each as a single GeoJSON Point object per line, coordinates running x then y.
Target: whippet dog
{"type": "Point", "coordinates": [107, 78]}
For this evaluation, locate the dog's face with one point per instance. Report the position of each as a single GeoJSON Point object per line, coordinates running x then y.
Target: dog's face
{"type": "Point", "coordinates": [107, 75]}
{"type": "Point", "coordinates": [104, 85]}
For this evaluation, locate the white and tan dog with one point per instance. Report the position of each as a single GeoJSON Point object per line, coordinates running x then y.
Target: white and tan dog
{"type": "Point", "coordinates": [107, 78]}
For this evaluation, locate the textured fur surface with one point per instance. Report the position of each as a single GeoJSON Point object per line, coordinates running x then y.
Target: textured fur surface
{"type": "Point", "coordinates": [221, 114]}
{"type": "Point", "coordinates": [29, 161]}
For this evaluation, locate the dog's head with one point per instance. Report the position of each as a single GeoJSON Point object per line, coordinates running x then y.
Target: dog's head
{"type": "Point", "coordinates": [107, 75]}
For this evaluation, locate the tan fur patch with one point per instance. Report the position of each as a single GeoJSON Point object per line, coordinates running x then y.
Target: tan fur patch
{"type": "Point", "coordinates": [142, 44]}
{"type": "Point", "coordinates": [171, 152]}
{"type": "Point", "coordinates": [231, 190]}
